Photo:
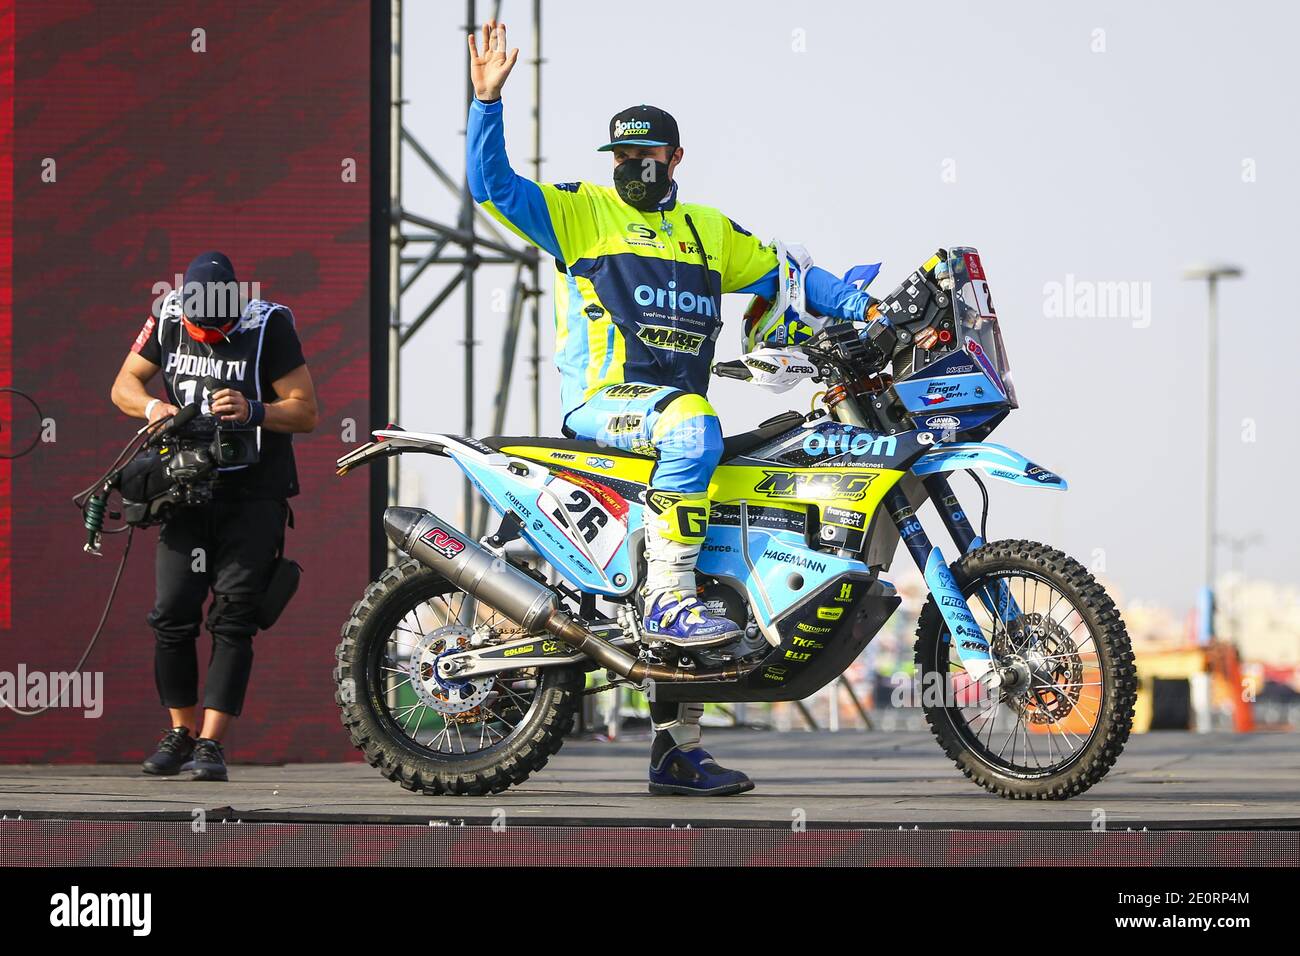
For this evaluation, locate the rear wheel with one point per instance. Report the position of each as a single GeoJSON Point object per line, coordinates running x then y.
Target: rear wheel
{"type": "Point", "coordinates": [432, 735]}
{"type": "Point", "coordinates": [1065, 711]}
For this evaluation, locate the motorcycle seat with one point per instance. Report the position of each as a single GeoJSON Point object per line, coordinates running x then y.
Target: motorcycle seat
{"type": "Point", "coordinates": [732, 446]}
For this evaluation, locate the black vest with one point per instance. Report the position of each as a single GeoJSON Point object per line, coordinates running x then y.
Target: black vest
{"type": "Point", "coordinates": [193, 370]}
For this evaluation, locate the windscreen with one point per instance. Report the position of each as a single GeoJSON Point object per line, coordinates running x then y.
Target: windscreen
{"type": "Point", "coordinates": [977, 320]}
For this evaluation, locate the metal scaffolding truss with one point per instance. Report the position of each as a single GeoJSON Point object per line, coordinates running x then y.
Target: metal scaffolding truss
{"type": "Point", "coordinates": [419, 244]}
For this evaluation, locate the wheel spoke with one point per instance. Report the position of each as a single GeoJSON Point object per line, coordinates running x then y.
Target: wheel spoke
{"type": "Point", "coordinates": [1054, 649]}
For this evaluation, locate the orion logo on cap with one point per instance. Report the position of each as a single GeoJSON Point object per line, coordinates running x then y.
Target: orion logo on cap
{"type": "Point", "coordinates": [630, 127]}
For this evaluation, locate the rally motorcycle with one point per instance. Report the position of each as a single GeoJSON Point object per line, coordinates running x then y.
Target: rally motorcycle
{"type": "Point", "coordinates": [462, 667]}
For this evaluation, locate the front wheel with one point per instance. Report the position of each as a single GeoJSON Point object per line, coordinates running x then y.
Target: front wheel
{"type": "Point", "coordinates": [1065, 711]}
{"type": "Point", "coordinates": [435, 736]}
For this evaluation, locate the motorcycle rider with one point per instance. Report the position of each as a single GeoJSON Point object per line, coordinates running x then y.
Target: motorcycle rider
{"type": "Point", "coordinates": [637, 315]}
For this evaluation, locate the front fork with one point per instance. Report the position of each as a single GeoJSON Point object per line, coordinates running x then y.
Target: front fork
{"type": "Point", "coordinates": [972, 646]}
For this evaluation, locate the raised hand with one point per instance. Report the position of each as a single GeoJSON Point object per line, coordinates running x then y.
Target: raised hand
{"type": "Point", "coordinates": [488, 70]}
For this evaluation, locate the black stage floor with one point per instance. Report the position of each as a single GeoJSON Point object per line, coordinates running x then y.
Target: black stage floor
{"type": "Point", "coordinates": [843, 780]}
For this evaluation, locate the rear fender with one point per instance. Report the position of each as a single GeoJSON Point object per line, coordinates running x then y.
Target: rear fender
{"type": "Point", "coordinates": [389, 442]}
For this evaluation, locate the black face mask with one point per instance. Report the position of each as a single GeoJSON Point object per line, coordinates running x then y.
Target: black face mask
{"type": "Point", "coordinates": [642, 183]}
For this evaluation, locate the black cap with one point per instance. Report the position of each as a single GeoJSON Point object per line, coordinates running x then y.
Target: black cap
{"type": "Point", "coordinates": [215, 276]}
{"type": "Point", "coordinates": [642, 126]}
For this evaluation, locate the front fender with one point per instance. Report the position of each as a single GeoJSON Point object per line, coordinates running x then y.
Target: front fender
{"type": "Point", "coordinates": [998, 460]}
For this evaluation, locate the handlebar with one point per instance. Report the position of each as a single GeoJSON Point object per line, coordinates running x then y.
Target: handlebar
{"type": "Point", "coordinates": [838, 344]}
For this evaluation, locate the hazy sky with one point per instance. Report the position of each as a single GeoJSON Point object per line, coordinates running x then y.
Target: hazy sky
{"type": "Point", "coordinates": [1073, 144]}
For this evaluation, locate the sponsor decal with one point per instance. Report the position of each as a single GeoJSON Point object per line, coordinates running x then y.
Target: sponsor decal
{"type": "Point", "coordinates": [846, 592]}
{"type": "Point", "coordinates": [976, 350]}
{"type": "Point", "coordinates": [910, 528]}
{"type": "Point", "coordinates": [670, 298]}
{"type": "Point", "coordinates": [806, 642]}
{"type": "Point", "coordinates": [774, 673]}
{"type": "Point", "coordinates": [568, 187]}
{"type": "Point", "coordinates": [939, 392]}
{"type": "Point", "coordinates": [595, 462]}
{"type": "Point", "coordinates": [661, 501]}
{"type": "Point", "coordinates": [797, 560]}
{"type": "Point", "coordinates": [622, 424]}
{"type": "Point", "coordinates": [943, 423]}
{"type": "Point", "coordinates": [691, 249]}
{"type": "Point", "coordinates": [830, 613]}
{"type": "Point", "coordinates": [844, 518]}
{"type": "Point", "coordinates": [798, 655]}
{"type": "Point", "coordinates": [630, 390]}
{"type": "Point", "coordinates": [594, 311]}
{"type": "Point", "coordinates": [644, 236]}
{"type": "Point", "coordinates": [614, 503]}
{"type": "Point", "coordinates": [812, 628]}
{"type": "Point", "coordinates": [200, 366]}
{"type": "Point", "coordinates": [637, 127]}
{"type": "Point", "coordinates": [520, 508]}
{"type": "Point", "coordinates": [145, 333]}
{"type": "Point", "coordinates": [563, 456]}
{"type": "Point", "coordinates": [671, 340]}
{"type": "Point", "coordinates": [475, 444]}
{"type": "Point", "coordinates": [849, 443]}
{"type": "Point", "coordinates": [823, 485]}
{"type": "Point", "coordinates": [516, 651]}
{"type": "Point", "coordinates": [443, 542]}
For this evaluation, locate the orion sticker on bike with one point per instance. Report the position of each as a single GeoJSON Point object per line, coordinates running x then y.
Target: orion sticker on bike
{"type": "Point", "coordinates": [971, 645]}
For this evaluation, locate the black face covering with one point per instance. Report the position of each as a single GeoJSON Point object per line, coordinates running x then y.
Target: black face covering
{"type": "Point", "coordinates": [642, 183]}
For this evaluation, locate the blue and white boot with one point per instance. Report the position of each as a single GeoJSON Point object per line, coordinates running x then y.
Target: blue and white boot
{"type": "Point", "coordinates": [680, 618]}
{"type": "Point", "coordinates": [672, 611]}
{"type": "Point", "coordinates": [679, 765]}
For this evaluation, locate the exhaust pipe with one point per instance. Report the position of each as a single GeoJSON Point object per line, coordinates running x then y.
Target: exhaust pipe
{"type": "Point", "coordinates": [528, 602]}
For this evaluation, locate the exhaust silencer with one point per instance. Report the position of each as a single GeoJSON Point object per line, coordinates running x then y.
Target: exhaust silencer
{"type": "Point", "coordinates": [472, 568]}
{"type": "Point", "coordinates": [469, 566]}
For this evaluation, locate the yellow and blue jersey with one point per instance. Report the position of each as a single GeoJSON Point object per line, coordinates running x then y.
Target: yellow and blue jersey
{"type": "Point", "coordinates": [634, 301]}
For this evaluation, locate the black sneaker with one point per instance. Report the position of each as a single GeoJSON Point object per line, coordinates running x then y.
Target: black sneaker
{"type": "Point", "coordinates": [208, 762]}
{"type": "Point", "coordinates": [173, 751]}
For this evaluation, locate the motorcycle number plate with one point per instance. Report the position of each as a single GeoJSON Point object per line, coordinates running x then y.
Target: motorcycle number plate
{"type": "Point", "coordinates": [598, 513]}
{"type": "Point", "coordinates": [979, 286]}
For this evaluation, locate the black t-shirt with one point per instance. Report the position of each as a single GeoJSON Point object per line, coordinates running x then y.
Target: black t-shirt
{"type": "Point", "coordinates": [261, 349]}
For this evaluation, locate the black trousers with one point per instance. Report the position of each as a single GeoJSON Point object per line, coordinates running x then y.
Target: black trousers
{"type": "Point", "coordinates": [227, 548]}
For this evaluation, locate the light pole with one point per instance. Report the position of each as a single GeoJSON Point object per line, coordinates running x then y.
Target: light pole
{"type": "Point", "coordinates": [1211, 273]}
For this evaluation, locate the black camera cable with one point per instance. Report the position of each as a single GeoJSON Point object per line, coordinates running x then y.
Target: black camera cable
{"type": "Point", "coordinates": [83, 501]}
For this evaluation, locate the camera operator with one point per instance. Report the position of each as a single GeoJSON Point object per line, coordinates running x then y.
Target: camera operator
{"type": "Point", "coordinates": [243, 364]}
